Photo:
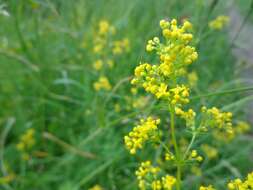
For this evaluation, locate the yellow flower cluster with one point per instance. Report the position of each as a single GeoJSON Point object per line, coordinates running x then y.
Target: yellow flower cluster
{"type": "Point", "coordinates": [146, 130]}
{"type": "Point", "coordinates": [194, 156]}
{"type": "Point", "coordinates": [169, 157]}
{"type": "Point", "coordinates": [188, 116]}
{"type": "Point", "coordinates": [102, 41]}
{"type": "Point", "coordinates": [175, 54]}
{"type": "Point", "coordinates": [192, 78]}
{"type": "Point", "coordinates": [120, 46]}
{"type": "Point", "coordinates": [180, 95]}
{"type": "Point", "coordinates": [102, 83]}
{"type": "Point", "coordinates": [215, 118]}
{"type": "Point", "coordinates": [99, 64]}
{"type": "Point", "coordinates": [143, 171]}
{"type": "Point", "coordinates": [26, 143]}
{"type": "Point", "coordinates": [148, 174]}
{"type": "Point", "coordinates": [149, 77]}
{"type": "Point", "coordinates": [104, 48]}
{"type": "Point", "coordinates": [238, 184]}
{"type": "Point", "coordinates": [219, 22]}
{"type": "Point", "coordinates": [104, 28]}
{"type": "Point", "coordinates": [240, 128]}
{"type": "Point", "coordinates": [211, 152]}
{"type": "Point", "coordinates": [168, 182]}
{"type": "Point", "coordinates": [101, 36]}
{"type": "Point", "coordinates": [140, 102]}
{"type": "Point", "coordinates": [96, 187]}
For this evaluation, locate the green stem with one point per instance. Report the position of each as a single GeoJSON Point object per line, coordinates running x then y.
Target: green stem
{"type": "Point", "coordinates": [190, 145]}
{"type": "Point", "coordinates": [243, 89]}
{"type": "Point", "coordinates": [174, 141]}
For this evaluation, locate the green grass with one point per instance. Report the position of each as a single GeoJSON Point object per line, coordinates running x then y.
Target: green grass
{"type": "Point", "coordinates": [46, 83]}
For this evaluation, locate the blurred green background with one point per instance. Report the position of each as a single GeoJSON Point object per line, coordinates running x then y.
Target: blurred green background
{"type": "Point", "coordinates": [47, 81]}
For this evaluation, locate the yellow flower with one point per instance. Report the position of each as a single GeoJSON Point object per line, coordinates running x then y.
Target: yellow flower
{"type": "Point", "coordinates": [199, 158]}
{"type": "Point", "coordinates": [238, 184]}
{"type": "Point", "coordinates": [143, 132]}
{"type": "Point", "coordinates": [156, 185]}
{"type": "Point", "coordinates": [104, 27]}
{"type": "Point", "coordinates": [26, 143]}
{"type": "Point", "coordinates": [179, 95]}
{"type": "Point", "coordinates": [188, 116]}
{"type": "Point", "coordinates": [194, 154]}
{"type": "Point", "coordinates": [120, 46]}
{"type": "Point", "coordinates": [168, 182]}
{"type": "Point", "coordinates": [210, 151]}
{"type": "Point", "coordinates": [110, 63]}
{"type": "Point", "coordinates": [169, 157]}
{"type": "Point", "coordinates": [140, 102]}
{"type": "Point", "coordinates": [175, 54]}
{"type": "Point", "coordinates": [215, 118]}
{"type": "Point", "coordinates": [146, 170]}
{"type": "Point", "coordinates": [96, 187]}
{"type": "Point", "coordinates": [98, 65]}
{"type": "Point", "coordinates": [102, 83]}
{"type": "Point", "coordinates": [134, 91]}
{"type": "Point", "coordinates": [241, 127]}
{"type": "Point", "coordinates": [117, 108]}
{"type": "Point", "coordinates": [219, 22]}
{"type": "Point", "coordinates": [192, 78]}
{"type": "Point", "coordinates": [98, 48]}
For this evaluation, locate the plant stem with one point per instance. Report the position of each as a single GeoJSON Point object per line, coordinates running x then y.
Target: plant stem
{"type": "Point", "coordinates": [190, 145]}
{"type": "Point", "coordinates": [174, 141]}
{"type": "Point", "coordinates": [243, 89]}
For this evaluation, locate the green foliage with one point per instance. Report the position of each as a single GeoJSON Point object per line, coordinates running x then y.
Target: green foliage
{"type": "Point", "coordinates": [47, 84]}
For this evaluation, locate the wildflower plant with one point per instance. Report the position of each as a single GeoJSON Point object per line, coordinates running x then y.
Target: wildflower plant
{"type": "Point", "coordinates": [26, 143]}
{"type": "Point", "coordinates": [219, 22]}
{"type": "Point", "coordinates": [168, 82]}
{"type": "Point", "coordinates": [105, 50]}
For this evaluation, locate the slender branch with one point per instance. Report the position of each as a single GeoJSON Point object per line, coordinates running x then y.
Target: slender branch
{"type": "Point", "coordinates": [20, 59]}
{"type": "Point", "coordinates": [223, 92]}
{"type": "Point", "coordinates": [174, 141]}
{"type": "Point", "coordinates": [67, 146]}
{"type": "Point", "coordinates": [190, 145]}
{"type": "Point", "coordinates": [165, 147]}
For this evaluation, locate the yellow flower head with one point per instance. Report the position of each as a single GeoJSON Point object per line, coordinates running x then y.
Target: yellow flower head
{"type": "Point", "coordinates": [168, 182]}
{"type": "Point", "coordinates": [211, 152]}
{"type": "Point", "coordinates": [26, 143]}
{"type": "Point", "coordinates": [96, 187]}
{"type": "Point", "coordinates": [218, 119]}
{"type": "Point", "coordinates": [175, 54]}
{"type": "Point", "coordinates": [219, 22]}
{"type": "Point", "coordinates": [104, 27]}
{"type": "Point", "coordinates": [102, 83]}
{"type": "Point", "coordinates": [192, 78]}
{"type": "Point", "coordinates": [98, 65]}
{"type": "Point", "coordinates": [145, 169]}
{"type": "Point", "coordinates": [188, 116]}
{"type": "Point", "coordinates": [146, 130]}
{"type": "Point", "coordinates": [238, 184]}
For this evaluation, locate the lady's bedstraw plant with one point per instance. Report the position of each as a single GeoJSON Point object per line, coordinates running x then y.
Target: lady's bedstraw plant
{"type": "Point", "coordinates": [164, 81]}
{"type": "Point", "coordinates": [105, 49]}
